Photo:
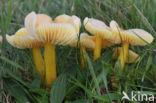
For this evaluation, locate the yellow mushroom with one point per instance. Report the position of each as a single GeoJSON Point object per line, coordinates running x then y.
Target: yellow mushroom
{"type": "Point", "coordinates": [130, 36]}
{"type": "Point", "coordinates": [86, 42]}
{"type": "Point", "coordinates": [57, 33]}
{"type": "Point", "coordinates": [132, 56]}
{"type": "Point", "coordinates": [100, 30]}
{"type": "Point", "coordinates": [24, 38]}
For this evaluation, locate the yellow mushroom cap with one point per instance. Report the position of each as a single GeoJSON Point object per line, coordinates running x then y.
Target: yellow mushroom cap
{"type": "Point", "coordinates": [85, 41]}
{"type": "Point", "coordinates": [26, 37]}
{"type": "Point", "coordinates": [74, 20]}
{"type": "Point", "coordinates": [132, 56]}
{"type": "Point", "coordinates": [56, 33]}
{"type": "Point", "coordinates": [132, 36]}
{"type": "Point", "coordinates": [32, 20]}
{"type": "Point", "coordinates": [62, 18]}
{"type": "Point", "coordinates": [42, 18]}
{"type": "Point", "coordinates": [22, 39]}
{"type": "Point", "coordinates": [97, 27]}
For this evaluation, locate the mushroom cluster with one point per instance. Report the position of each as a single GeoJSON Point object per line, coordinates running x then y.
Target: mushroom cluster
{"type": "Point", "coordinates": [41, 31]}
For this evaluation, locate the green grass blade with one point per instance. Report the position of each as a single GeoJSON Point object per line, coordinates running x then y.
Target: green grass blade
{"type": "Point", "coordinates": [11, 63]}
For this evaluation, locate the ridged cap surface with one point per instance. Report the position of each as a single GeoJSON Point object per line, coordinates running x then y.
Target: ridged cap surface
{"type": "Point", "coordinates": [22, 39]}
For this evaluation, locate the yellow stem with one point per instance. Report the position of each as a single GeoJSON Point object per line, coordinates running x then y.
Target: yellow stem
{"type": "Point", "coordinates": [38, 61]}
{"type": "Point", "coordinates": [97, 50]}
{"type": "Point", "coordinates": [83, 56]}
{"type": "Point", "coordinates": [123, 54]}
{"type": "Point", "coordinates": [50, 63]}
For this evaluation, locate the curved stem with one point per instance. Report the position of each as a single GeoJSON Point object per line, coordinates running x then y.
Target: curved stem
{"type": "Point", "coordinates": [83, 56]}
{"type": "Point", "coordinates": [123, 54]}
{"type": "Point", "coordinates": [97, 50]}
{"type": "Point", "coordinates": [50, 63]}
{"type": "Point", "coordinates": [38, 61]}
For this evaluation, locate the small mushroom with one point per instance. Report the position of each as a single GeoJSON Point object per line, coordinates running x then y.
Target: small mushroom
{"type": "Point", "coordinates": [24, 38]}
{"type": "Point", "coordinates": [86, 42]}
{"type": "Point", "coordinates": [57, 33]}
{"type": "Point", "coordinates": [100, 30]}
{"type": "Point", "coordinates": [130, 36]}
{"type": "Point", "coordinates": [132, 56]}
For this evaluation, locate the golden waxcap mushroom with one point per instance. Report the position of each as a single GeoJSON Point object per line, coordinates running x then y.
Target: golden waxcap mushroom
{"type": "Point", "coordinates": [132, 56]}
{"type": "Point", "coordinates": [25, 38]}
{"type": "Point", "coordinates": [100, 30]}
{"type": "Point", "coordinates": [131, 36]}
{"type": "Point", "coordinates": [57, 33]}
{"type": "Point", "coordinates": [86, 42]}
{"type": "Point", "coordinates": [74, 20]}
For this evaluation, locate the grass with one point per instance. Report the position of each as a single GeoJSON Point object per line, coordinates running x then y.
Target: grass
{"type": "Point", "coordinates": [101, 81]}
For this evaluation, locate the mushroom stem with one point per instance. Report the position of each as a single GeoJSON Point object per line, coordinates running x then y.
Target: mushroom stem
{"type": "Point", "coordinates": [50, 63]}
{"type": "Point", "coordinates": [83, 56]}
{"type": "Point", "coordinates": [97, 50]}
{"type": "Point", "coordinates": [123, 54]}
{"type": "Point", "coordinates": [38, 61]}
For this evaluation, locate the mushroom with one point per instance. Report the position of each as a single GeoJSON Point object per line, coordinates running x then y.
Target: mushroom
{"type": "Point", "coordinates": [130, 36]}
{"type": "Point", "coordinates": [24, 38]}
{"type": "Point", "coordinates": [132, 56]}
{"type": "Point", "coordinates": [88, 42]}
{"type": "Point", "coordinates": [100, 30]}
{"type": "Point", "coordinates": [57, 33]}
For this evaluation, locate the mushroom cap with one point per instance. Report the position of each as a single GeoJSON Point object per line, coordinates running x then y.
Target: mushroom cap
{"type": "Point", "coordinates": [63, 31]}
{"type": "Point", "coordinates": [22, 39]}
{"type": "Point", "coordinates": [42, 18]}
{"type": "Point", "coordinates": [62, 18]}
{"type": "Point", "coordinates": [132, 56]}
{"type": "Point", "coordinates": [132, 36]}
{"type": "Point", "coordinates": [85, 41]}
{"type": "Point", "coordinates": [97, 28]}
{"type": "Point", "coordinates": [74, 20]}
{"type": "Point", "coordinates": [26, 37]}
{"type": "Point", "coordinates": [32, 21]}
{"type": "Point", "coordinates": [56, 33]}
